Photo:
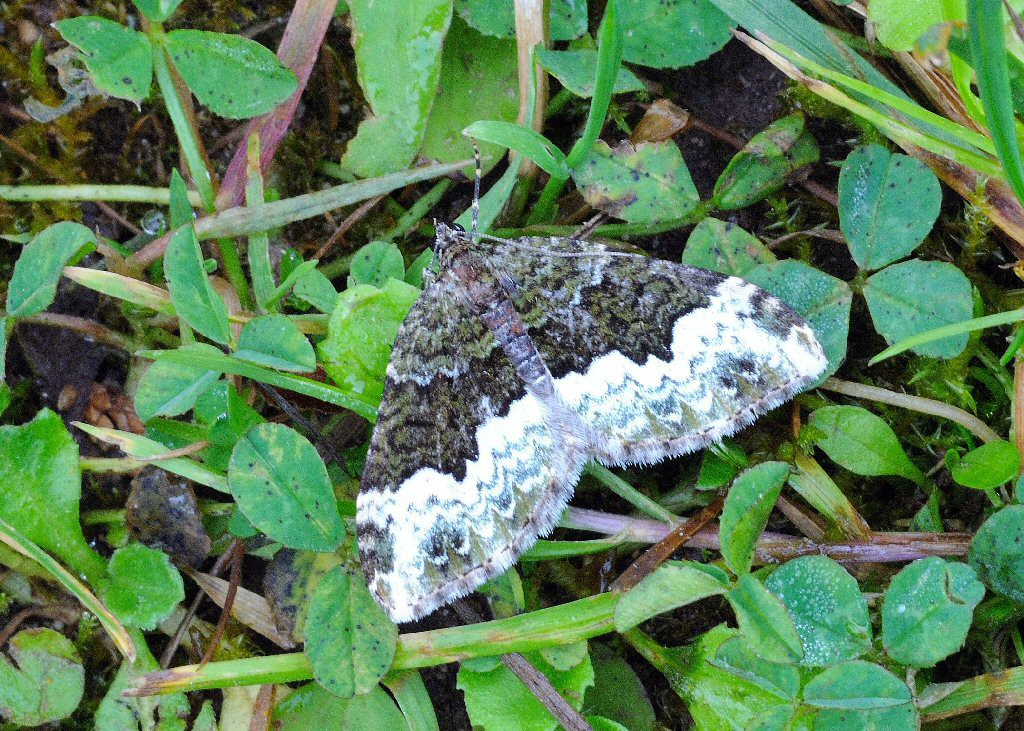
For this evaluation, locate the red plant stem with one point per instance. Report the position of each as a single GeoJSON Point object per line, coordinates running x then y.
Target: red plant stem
{"type": "Point", "coordinates": [776, 547]}
{"type": "Point", "coordinates": [299, 48]}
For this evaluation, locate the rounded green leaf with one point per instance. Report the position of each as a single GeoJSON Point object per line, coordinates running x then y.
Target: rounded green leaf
{"type": "Point", "coordinates": [398, 56]}
{"type": "Point", "coordinates": [577, 70]}
{"type": "Point", "coordinates": [897, 718]}
{"type": "Point", "coordinates": [724, 247]}
{"type": "Point", "coordinates": [915, 296]}
{"type": "Point", "coordinates": [648, 183]}
{"type": "Point", "coordinates": [671, 35]}
{"type": "Point", "coordinates": [997, 552]}
{"type": "Point", "coordinates": [736, 657]}
{"type": "Point", "coordinates": [747, 507]}
{"type": "Point", "coordinates": [144, 586]}
{"type": "Point", "coordinates": [479, 82]}
{"type": "Point", "coordinates": [497, 699]}
{"type": "Point", "coordinates": [861, 442]}
{"type": "Point", "coordinates": [275, 341]}
{"type": "Point", "coordinates": [988, 466]}
{"type": "Point", "coordinates": [350, 641]}
{"type": "Point", "coordinates": [360, 334]}
{"type": "Point", "coordinates": [764, 163]}
{"type": "Point", "coordinates": [887, 205]}
{"type": "Point", "coordinates": [823, 300]}
{"type": "Point", "coordinates": [119, 59]}
{"type": "Point", "coordinates": [927, 611]}
{"type": "Point", "coordinates": [40, 488]}
{"type": "Point", "coordinates": [192, 294]}
{"type": "Point", "coordinates": [169, 389]}
{"type": "Point", "coordinates": [764, 622]}
{"type": "Point", "coordinates": [235, 77]}
{"type": "Point", "coordinates": [673, 584]}
{"type": "Point", "coordinates": [47, 683]}
{"type": "Point", "coordinates": [312, 707]}
{"type": "Point", "coordinates": [33, 284]}
{"type": "Point", "coordinates": [858, 686]}
{"type": "Point", "coordinates": [568, 17]}
{"type": "Point", "coordinates": [899, 23]}
{"type": "Point", "coordinates": [375, 263]}
{"type": "Point", "coordinates": [281, 484]}
{"type": "Point", "coordinates": [157, 10]}
{"type": "Point", "coordinates": [827, 608]}
{"type": "Point", "coordinates": [618, 694]}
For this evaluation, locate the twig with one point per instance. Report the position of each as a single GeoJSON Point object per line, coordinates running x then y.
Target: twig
{"type": "Point", "coordinates": [663, 549]}
{"type": "Point", "coordinates": [237, 551]}
{"type": "Point", "coordinates": [777, 547]}
{"type": "Point", "coordinates": [534, 679]}
{"type": "Point", "coordinates": [83, 326]}
{"type": "Point", "coordinates": [345, 226]}
{"type": "Point", "coordinates": [914, 403]}
{"type": "Point", "coordinates": [172, 646]}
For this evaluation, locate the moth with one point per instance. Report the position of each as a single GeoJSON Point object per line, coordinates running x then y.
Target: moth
{"type": "Point", "coordinates": [521, 360]}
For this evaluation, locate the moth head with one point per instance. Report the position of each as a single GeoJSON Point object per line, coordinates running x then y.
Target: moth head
{"type": "Point", "coordinates": [450, 243]}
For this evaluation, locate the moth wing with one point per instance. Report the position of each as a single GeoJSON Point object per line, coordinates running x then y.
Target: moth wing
{"type": "Point", "coordinates": [658, 359]}
{"type": "Point", "coordinates": [464, 469]}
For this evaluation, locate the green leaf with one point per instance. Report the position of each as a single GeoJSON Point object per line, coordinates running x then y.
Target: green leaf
{"type": "Point", "coordinates": [673, 584]}
{"type": "Point", "coordinates": [672, 35]}
{"type": "Point", "coordinates": [861, 442]}
{"type": "Point", "coordinates": [617, 693]}
{"type": "Point", "coordinates": [40, 487]}
{"type": "Point", "coordinates": [276, 342]}
{"type": "Point", "coordinates": [375, 263]}
{"type": "Point", "coordinates": [736, 657]}
{"type": "Point", "coordinates": [48, 683]}
{"type": "Point", "coordinates": [350, 641]}
{"type": "Point", "coordinates": [988, 466]}
{"type": "Point", "coordinates": [170, 389]}
{"type": "Point", "coordinates": [180, 209]}
{"type": "Point", "coordinates": [235, 77]}
{"type": "Point", "coordinates": [763, 621]}
{"type": "Point", "coordinates": [316, 289]}
{"type": "Point", "coordinates": [281, 484]}
{"type": "Point", "coordinates": [997, 552]}
{"type": "Point", "coordinates": [897, 718]}
{"type": "Point", "coordinates": [123, 713]}
{"type": "Point", "coordinates": [144, 586]}
{"type": "Point", "coordinates": [120, 60]}
{"type": "Point", "coordinates": [33, 284]}
{"type": "Point", "coordinates": [747, 507]}
{"type": "Point", "coordinates": [715, 697]}
{"type": "Point", "coordinates": [725, 247]}
{"type": "Point", "coordinates": [490, 695]}
{"type": "Point", "coordinates": [310, 707]}
{"type": "Point", "coordinates": [927, 611]}
{"type": "Point", "coordinates": [778, 718]}
{"type": "Point", "coordinates": [141, 447]}
{"type": "Point", "coordinates": [360, 334]}
{"type": "Point", "coordinates": [856, 685]}
{"type": "Point", "coordinates": [523, 140]}
{"type": "Point", "coordinates": [194, 298]}
{"type": "Point", "coordinates": [988, 54]}
{"type": "Point", "coordinates": [915, 296]}
{"type": "Point", "coordinates": [290, 580]}
{"type": "Point", "coordinates": [899, 23]}
{"type": "Point", "coordinates": [479, 81]}
{"type": "Point", "coordinates": [764, 163]}
{"type": "Point", "coordinates": [887, 204]}
{"type": "Point", "coordinates": [398, 55]}
{"type": "Point", "coordinates": [823, 300]}
{"type": "Point", "coordinates": [576, 71]}
{"type": "Point", "coordinates": [827, 608]}
{"type": "Point", "coordinates": [497, 17]}
{"type": "Point", "coordinates": [157, 10]}
{"type": "Point", "coordinates": [648, 183]}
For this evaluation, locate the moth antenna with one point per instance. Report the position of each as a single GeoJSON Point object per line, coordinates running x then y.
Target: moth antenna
{"type": "Point", "coordinates": [475, 227]}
